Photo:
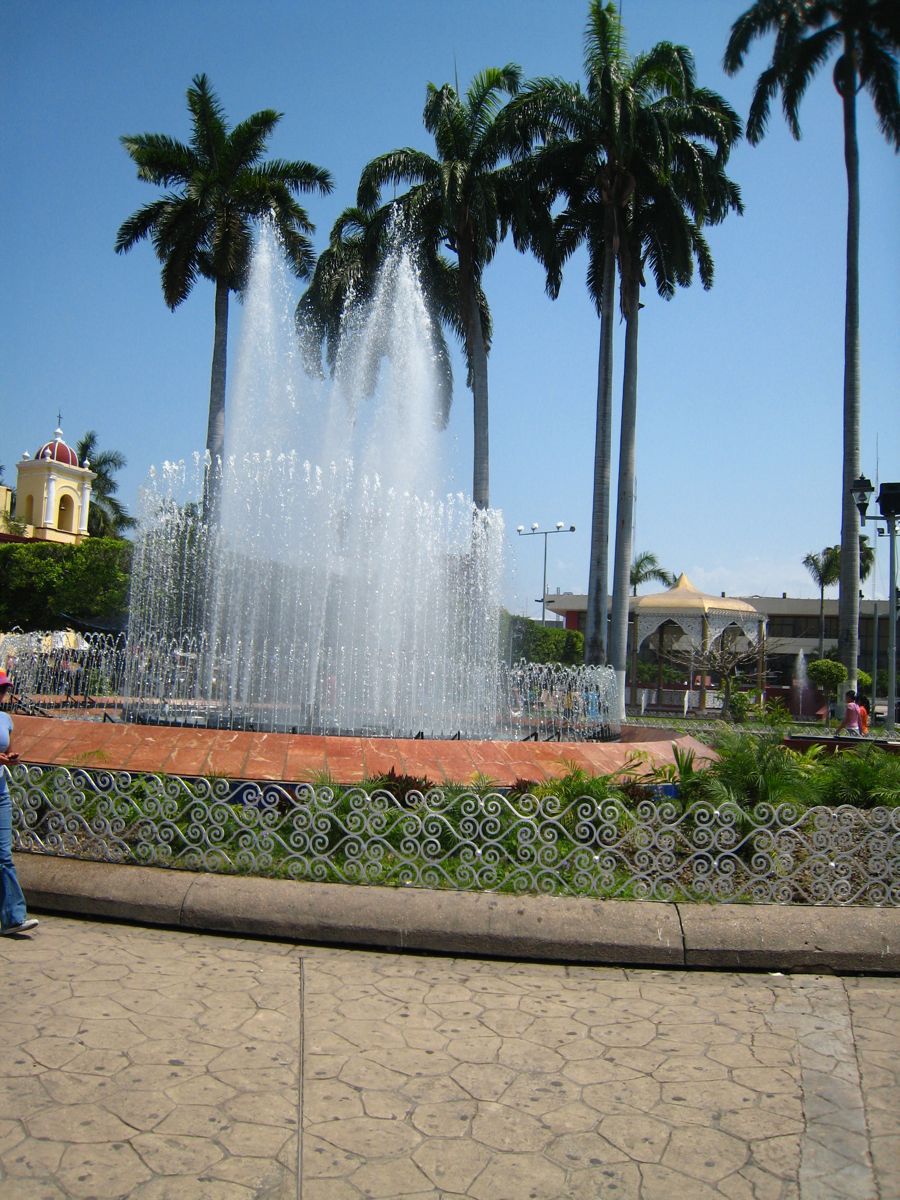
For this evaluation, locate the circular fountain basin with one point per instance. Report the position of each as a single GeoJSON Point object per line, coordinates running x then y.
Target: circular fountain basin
{"type": "Point", "coordinates": [299, 758]}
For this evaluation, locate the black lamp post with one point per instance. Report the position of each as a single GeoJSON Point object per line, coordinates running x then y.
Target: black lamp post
{"type": "Point", "coordinates": [889, 505]}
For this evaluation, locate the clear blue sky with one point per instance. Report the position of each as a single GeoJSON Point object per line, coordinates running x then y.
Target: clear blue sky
{"type": "Point", "coordinates": [739, 440]}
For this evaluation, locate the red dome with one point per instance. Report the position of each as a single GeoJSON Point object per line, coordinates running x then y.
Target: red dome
{"type": "Point", "coordinates": [58, 451]}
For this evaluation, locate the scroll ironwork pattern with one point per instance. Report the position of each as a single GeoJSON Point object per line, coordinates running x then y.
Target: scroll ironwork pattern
{"type": "Point", "coordinates": [654, 849]}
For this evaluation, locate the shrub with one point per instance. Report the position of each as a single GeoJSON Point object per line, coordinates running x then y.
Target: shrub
{"type": "Point", "coordinates": [758, 768]}
{"type": "Point", "coordinates": [741, 703]}
{"type": "Point", "coordinates": [827, 675]}
{"type": "Point", "coordinates": [521, 637]}
{"type": "Point", "coordinates": [864, 777]}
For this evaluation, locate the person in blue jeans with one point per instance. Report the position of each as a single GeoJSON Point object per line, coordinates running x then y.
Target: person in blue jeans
{"type": "Point", "coordinates": [13, 915]}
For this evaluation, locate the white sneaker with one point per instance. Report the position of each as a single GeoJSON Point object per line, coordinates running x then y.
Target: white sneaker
{"type": "Point", "coordinates": [31, 923]}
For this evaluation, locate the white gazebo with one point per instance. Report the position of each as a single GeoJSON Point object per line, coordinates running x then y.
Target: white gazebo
{"type": "Point", "coordinates": [701, 617]}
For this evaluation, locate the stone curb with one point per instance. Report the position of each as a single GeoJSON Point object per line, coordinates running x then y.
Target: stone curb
{"type": "Point", "coordinates": [623, 932]}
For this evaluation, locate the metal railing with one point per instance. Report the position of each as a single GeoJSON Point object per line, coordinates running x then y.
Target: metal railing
{"type": "Point", "coordinates": [650, 849]}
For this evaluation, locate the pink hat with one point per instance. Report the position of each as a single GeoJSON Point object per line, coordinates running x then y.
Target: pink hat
{"type": "Point", "coordinates": [5, 680]}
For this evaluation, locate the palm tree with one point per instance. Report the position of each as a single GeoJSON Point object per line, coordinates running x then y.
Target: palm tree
{"type": "Point", "coordinates": [107, 516]}
{"type": "Point", "coordinates": [866, 558]}
{"type": "Point", "coordinates": [346, 276]}
{"type": "Point", "coordinates": [466, 199]}
{"type": "Point", "coordinates": [676, 193]}
{"type": "Point", "coordinates": [866, 35]}
{"type": "Point", "coordinates": [825, 569]}
{"type": "Point", "coordinates": [646, 569]}
{"type": "Point", "coordinates": [219, 186]}
{"type": "Point", "coordinates": [639, 155]}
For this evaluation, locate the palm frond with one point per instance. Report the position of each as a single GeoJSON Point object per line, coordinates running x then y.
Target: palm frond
{"type": "Point", "coordinates": [246, 143]}
{"type": "Point", "coordinates": [878, 73]}
{"type": "Point", "coordinates": [160, 159]}
{"type": "Point", "coordinates": [208, 120]}
{"type": "Point", "coordinates": [396, 167]}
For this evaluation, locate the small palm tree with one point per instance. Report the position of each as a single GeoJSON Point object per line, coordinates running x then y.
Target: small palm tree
{"type": "Point", "coordinates": [866, 36]}
{"type": "Point", "coordinates": [219, 186]}
{"type": "Point", "coordinates": [464, 200]}
{"type": "Point", "coordinates": [866, 557]}
{"type": "Point", "coordinates": [825, 569]}
{"type": "Point", "coordinates": [107, 516]}
{"type": "Point", "coordinates": [646, 569]}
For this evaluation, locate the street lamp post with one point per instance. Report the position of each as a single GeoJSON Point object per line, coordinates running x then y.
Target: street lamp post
{"type": "Point", "coordinates": [889, 503]}
{"type": "Point", "coordinates": [536, 531]}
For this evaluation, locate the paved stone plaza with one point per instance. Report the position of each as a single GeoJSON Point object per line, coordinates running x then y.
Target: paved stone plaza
{"type": "Point", "coordinates": [161, 1065]}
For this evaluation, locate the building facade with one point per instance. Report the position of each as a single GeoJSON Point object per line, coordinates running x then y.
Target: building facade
{"type": "Point", "coordinates": [792, 625]}
{"type": "Point", "coordinates": [53, 494]}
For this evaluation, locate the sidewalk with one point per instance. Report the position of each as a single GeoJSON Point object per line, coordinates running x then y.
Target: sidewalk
{"type": "Point", "coordinates": [562, 929]}
{"type": "Point", "coordinates": [161, 1064]}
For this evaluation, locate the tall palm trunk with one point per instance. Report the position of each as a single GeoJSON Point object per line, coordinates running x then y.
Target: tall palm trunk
{"type": "Point", "coordinates": [618, 631]}
{"type": "Point", "coordinates": [821, 620]}
{"type": "Point", "coordinates": [478, 368]}
{"type": "Point", "coordinates": [848, 604]}
{"type": "Point", "coordinates": [481, 446]}
{"type": "Point", "coordinates": [598, 582]}
{"type": "Point", "coordinates": [215, 430]}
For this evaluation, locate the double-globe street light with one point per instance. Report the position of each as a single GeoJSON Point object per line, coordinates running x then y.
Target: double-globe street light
{"type": "Point", "coordinates": [889, 503]}
{"type": "Point", "coordinates": [536, 531]}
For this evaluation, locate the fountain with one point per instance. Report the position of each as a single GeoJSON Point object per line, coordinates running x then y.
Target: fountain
{"type": "Point", "coordinates": [799, 683]}
{"type": "Point", "coordinates": [337, 590]}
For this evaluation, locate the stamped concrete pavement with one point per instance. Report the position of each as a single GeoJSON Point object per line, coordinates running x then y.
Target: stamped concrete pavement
{"type": "Point", "coordinates": [154, 1064]}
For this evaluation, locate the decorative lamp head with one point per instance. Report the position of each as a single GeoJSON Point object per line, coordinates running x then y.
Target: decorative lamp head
{"type": "Point", "coordinates": [889, 500]}
{"type": "Point", "coordinates": [861, 490]}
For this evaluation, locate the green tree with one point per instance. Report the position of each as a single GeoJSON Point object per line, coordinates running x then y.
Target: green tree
{"type": "Point", "coordinates": [866, 558]}
{"type": "Point", "coordinates": [866, 36]}
{"type": "Point", "coordinates": [723, 657]}
{"type": "Point", "coordinates": [825, 569]}
{"type": "Point", "coordinates": [646, 569]}
{"type": "Point", "coordinates": [677, 192]}
{"type": "Point", "coordinates": [46, 584]}
{"type": "Point", "coordinates": [345, 279]}
{"type": "Point", "coordinates": [94, 587]}
{"type": "Point", "coordinates": [219, 186]}
{"type": "Point", "coordinates": [827, 675]}
{"type": "Point", "coordinates": [466, 200]}
{"type": "Point", "coordinates": [522, 638]}
{"type": "Point", "coordinates": [639, 155]}
{"type": "Point", "coordinates": [107, 516]}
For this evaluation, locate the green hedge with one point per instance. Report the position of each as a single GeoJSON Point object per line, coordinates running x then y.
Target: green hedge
{"type": "Point", "coordinates": [43, 580]}
{"type": "Point", "coordinates": [520, 637]}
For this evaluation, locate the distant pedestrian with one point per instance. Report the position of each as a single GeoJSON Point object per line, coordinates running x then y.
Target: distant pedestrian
{"type": "Point", "coordinates": [850, 724]}
{"type": "Point", "coordinates": [13, 916]}
{"type": "Point", "coordinates": [864, 707]}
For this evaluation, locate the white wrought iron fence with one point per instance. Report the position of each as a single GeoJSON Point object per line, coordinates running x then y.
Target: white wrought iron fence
{"type": "Point", "coordinates": [652, 849]}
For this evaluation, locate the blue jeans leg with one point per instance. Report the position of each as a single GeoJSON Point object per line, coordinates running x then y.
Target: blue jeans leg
{"type": "Point", "coordinates": [12, 902]}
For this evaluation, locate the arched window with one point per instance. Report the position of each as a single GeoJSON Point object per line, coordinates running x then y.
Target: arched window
{"type": "Point", "coordinates": [66, 519]}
